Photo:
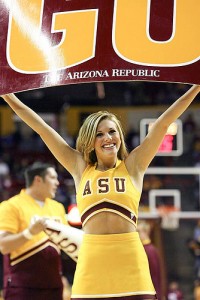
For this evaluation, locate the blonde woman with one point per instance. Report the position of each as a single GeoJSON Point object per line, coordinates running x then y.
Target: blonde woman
{"type": "Point", "coordinates": [112, 261]}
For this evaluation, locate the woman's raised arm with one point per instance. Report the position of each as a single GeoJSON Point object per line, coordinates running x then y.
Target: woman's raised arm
{"type": "Point", "coordinates": [144, 154]}
{"type": "Point", "coordinates": [67, 156]}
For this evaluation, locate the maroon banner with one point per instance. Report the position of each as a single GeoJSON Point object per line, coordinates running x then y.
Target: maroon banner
{"type": "Point", "coordinates": [49, 43]}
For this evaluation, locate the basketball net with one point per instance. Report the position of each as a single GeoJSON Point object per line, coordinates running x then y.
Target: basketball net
{"type": "Point", "coordinates": [169, 220]}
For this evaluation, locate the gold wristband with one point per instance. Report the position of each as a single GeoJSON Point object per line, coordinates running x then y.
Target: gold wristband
{"type": "Point", "coordinates": [26, 233]}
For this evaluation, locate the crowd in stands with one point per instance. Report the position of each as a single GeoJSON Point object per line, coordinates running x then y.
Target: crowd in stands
{"type": "Point", "coordinates": [127, 93]}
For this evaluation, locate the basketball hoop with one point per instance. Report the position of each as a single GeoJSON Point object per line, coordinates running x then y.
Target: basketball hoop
{"type": "Point", "coordinates": [169, 218]}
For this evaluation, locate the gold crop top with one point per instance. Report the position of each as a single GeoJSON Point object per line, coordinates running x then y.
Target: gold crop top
{"type": "Point", "coordinates": [110, 190]}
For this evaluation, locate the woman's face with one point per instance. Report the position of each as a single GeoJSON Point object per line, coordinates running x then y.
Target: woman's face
{"type": "Point", "coordinates": [107, 141]}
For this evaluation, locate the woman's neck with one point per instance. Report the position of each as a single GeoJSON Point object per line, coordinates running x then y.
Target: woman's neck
{"type": "Point", "coordinates": [104, 166]}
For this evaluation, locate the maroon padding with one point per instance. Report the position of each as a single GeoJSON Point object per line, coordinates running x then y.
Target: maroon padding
{"type": "Point", "coordinates": [108, 205]}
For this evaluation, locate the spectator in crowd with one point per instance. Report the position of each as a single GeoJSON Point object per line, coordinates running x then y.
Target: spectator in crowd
{"type": "Point", "coordinates": [4, 168]}
{"type": "Point", "coordinates": [197, 291]}
{"type": "Point", "coordinates": [144, 229]}
{"type": "Point", "coordinates": [174, 291]}
{"type": "Point", "coordinates": [194, 246]}
{"type": "Point", "coordinates": [189, 132]}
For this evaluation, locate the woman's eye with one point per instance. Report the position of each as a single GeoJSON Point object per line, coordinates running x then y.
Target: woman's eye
{"type": "Point", "coordinates": [112, 131]}
{"type": "Point", "coordinates": [99, 134]}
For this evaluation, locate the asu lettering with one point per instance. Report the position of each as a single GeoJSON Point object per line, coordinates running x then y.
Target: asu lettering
{"type": "Point", "coordinates": [64, 243]}
{"type": "Point", "coordinates": [87, 190]}
{"type": "Point", "coordinates": [103, 186]}
{"type": "Point", "coordinates": [119, 185]}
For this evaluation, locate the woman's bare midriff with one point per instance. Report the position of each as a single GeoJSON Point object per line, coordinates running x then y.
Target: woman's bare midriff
{"type": "Point", "coordinates": [108, 223]}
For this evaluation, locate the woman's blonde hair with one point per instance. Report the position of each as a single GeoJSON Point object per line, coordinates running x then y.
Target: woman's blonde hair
{"type": "Point", "coordinates": [87, 135]}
